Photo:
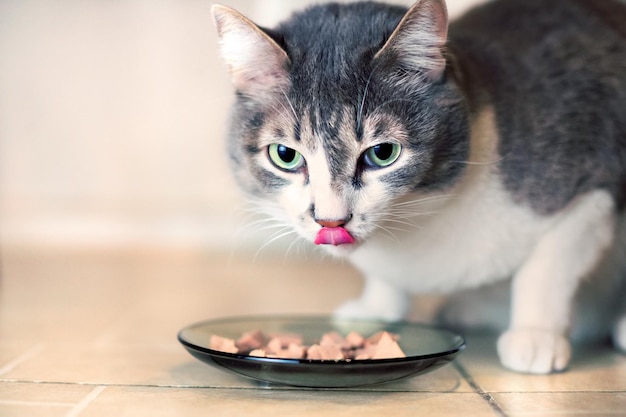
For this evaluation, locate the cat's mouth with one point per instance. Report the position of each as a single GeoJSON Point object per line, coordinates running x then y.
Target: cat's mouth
{"type": "Point", "coordinates": [333, 236]}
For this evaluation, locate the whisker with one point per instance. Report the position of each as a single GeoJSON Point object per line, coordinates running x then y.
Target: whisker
{"type": "Point", "coordinates": [297, 241]}
{"type": "Point", "coordinates": [293, 110]}
{"type": "Point", "coordinates": [265, 223]}
{"type": "Point", "coordinates": [260, 221]}
{"type": "Point", "coordinates": [388, 233]}
{"type": "Point", "coordinates": [494, 161]}
{"type": "Point", "coordinates": [359, 116]}
{"type": "Point", "coordinates": [409, 214]}
{"type": "Point", "coordinates": [275, 237]}
{"type": "Point", "coordinates": [260, 216]}
{"type": "Point", "coordinates": [406, 223]}
{"type": "Point", "coordinates": [392, 101]}
{"type": "Point", "coordinates": [271, 224]}
{"type": "Point", "coordinates": [422, 200]}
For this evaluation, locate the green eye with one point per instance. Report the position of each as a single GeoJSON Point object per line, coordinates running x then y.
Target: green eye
{"type": "Point", "coordinates": [285, 158]}
{"type": "Point", "coordinates": [382, 155]}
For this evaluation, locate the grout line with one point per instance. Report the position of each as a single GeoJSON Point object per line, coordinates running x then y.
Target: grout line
{"type": "Point", "coordinates": [82, 405]}
{"type": "Point", "coordinates": [366, 388]}
{"type": "Point", "coordinates": [478, 390]}
{"type": "Point", "coordinates": [20, 359]}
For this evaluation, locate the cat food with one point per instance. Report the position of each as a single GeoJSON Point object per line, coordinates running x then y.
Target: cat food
{"type": "Point", "coordinates": [331, 346]}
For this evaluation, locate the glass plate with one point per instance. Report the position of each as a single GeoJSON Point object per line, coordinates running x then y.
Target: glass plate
{"type": "Point", "coordinates": [426, 348]}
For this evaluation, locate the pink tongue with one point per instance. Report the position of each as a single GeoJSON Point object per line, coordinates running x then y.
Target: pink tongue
{"type": "Point", "coordinates": [333, 236]}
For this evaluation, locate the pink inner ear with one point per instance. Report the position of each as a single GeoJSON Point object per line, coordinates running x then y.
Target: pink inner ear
{"type": "Point", "coordinates": [333, 236]}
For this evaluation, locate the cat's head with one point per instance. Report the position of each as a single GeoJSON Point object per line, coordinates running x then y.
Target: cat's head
{"type": "Point", "coordinates": [341, 112]}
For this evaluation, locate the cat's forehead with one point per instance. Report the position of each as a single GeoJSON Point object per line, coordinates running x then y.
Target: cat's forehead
{"type": "Point", "coordinates": [312, 128]}
{"type": "Point", "coordinates": [323, 30]}
{"type": "Point", "coordinates": [329, 128]}
{"type": "Point", "coordinates": [330, 49]}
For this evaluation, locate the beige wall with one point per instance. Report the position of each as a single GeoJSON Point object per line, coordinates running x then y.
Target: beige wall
{"type": "Point", "coordinates": [112, 120]}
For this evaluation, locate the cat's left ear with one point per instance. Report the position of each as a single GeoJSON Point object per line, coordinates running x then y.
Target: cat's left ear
{"type": "Point", "coordinates": [257, 64]}
{"type": "Point", "coordinates": [419, 39]}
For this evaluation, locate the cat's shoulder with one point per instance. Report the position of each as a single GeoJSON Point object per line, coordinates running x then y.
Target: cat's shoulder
{"type": "Point", "coordinates": [555, 72]}
{"type": "Point", "coordinates": [525, 17]}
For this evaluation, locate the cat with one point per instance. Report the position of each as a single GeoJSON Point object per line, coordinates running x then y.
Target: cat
{"type": "Point", "coordinates": [442, 156]}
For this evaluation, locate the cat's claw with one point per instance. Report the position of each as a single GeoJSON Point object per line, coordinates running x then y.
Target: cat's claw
{"type": "Point", "coordinates": [534, 351]}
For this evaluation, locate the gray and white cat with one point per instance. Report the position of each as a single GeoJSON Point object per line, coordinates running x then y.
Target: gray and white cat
{"type": "Point", "coordinates": [443, 156]}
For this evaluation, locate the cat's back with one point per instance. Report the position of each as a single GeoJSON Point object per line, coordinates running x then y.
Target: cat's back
{"type": "Point", "coordinates": [555, 73]}
{"type": "Point", "coordinates": [517, 45]}
{"type": "Point", "coordinates": [525, 23]}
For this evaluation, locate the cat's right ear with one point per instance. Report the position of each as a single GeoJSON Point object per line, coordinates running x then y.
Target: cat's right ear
{"type": "Point", "coordinates": [257, 64]}
{"type": "Point", "coordinates": [419, 40]}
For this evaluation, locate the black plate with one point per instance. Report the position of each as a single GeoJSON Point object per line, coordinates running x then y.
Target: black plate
{"type": "Point", "coordinates": [426, 348]}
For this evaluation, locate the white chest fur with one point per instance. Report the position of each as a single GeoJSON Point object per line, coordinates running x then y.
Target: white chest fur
{"type": "Point", "coordinates": [479, 235]}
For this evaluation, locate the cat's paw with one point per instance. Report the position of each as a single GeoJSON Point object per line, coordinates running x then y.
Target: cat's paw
{"type": "Point", "coordinates": [359, 309]}
{"type": "Point", "coordinates": [534, 351]}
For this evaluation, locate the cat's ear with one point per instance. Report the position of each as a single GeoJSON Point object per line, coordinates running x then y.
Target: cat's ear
{"type": "Point", "coordinates": [418, 40]}
{"type": "Point", "coordinates": [257, 64]}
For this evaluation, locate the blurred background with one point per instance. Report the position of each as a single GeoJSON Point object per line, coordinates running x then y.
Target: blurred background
{"type": "Point", "coordinates": [112, 123]}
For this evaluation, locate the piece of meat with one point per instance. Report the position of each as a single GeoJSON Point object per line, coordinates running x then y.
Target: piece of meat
{"type": "Point", "coordinates": [295, 351]}
{"type": "Point", "coordinates": [258, 352]}
{"type": "Point", "coordinates": [250, 341]}
{"type": "Point", "coordinates": [274, 346]}
{"type": "Point", "coordinates": [387, 348]}
{"type": "Point", "coordinates": [366, 352]}
{"type": "Point", "coordinates": [325, 352]}
{"type": "Point", "coordinates": [222, 344]}
{"type": "Point", "coordinates": [287, 338]}
{"type": "Point", "coordinates": [334, 339]}
{"type": "Point", "coordinates": [332, 346]}
{"type": "Point", "coordinates": [354, 340]}
{"type": "Point", "coordinates": [375, 338]}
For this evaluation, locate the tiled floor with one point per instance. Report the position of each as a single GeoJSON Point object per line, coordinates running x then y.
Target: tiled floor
{"type": "Point", "coordinates": [93, 333]}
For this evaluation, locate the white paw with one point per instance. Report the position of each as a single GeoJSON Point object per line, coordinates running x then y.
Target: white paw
{"type": "Point", "coordinates": [359, 309]}
{"type": "Point", "coordinates": [534, 351]}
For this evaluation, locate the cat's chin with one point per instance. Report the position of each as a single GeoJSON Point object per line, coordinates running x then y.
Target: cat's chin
{"type": "Point", "coordinates": [339, 251]}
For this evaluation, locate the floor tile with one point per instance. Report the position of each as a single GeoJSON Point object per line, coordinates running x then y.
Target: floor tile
{"type": "Point", "coordinates": [32, 410]}
{"type": "Point", "coordinates": [563, 404]}
{"type": "Point", "coordinates": [85, 365]}
{"type": "Point", "coordinates": [36, 399]}
{"type": "Point", "coordinates": [173, 366]}
{"type": "Point", "coordinates": [592, 369]}
{"type": "Point", "coordinates": [13, 354]}
{"type": "Point", "coordinates": [62, 394]}
{"type": "Point", "coordinates": [138, 402]}
{"type": "Point", "coordinates": [95, 331]}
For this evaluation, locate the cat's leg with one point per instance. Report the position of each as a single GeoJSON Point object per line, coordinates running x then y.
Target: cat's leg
{"type": "Point", "coordinates": [485, 308]}
{"type": "Point", "coordinates": [619, 333]}
{"type": "Point", "coordinates": [544, 287]}
{"type": "Point", "coordinates": [379, 300]}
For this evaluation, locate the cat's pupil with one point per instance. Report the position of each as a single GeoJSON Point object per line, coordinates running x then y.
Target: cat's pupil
{"type": "Point", "coordinates": [383, 151]}
{"type": "Point", "coordinates": [286, 154]}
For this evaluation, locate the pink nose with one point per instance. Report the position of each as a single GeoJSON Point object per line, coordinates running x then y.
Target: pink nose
{"type": "Point", "coordinates": [331, 223]}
